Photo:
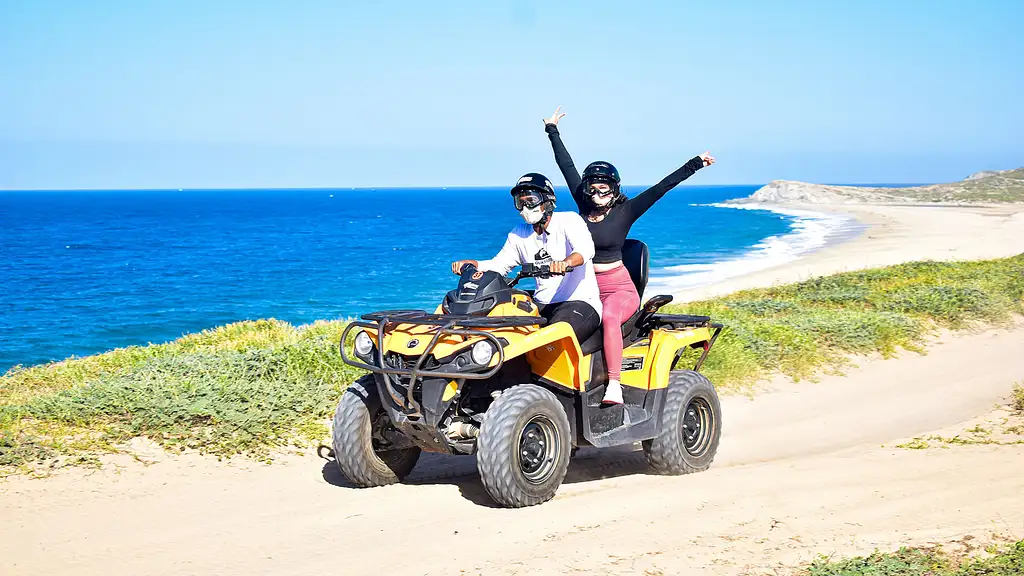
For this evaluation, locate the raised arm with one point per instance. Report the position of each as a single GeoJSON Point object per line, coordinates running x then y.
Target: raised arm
{"type": "Point", "coordinates": [562, 158]}
{"type": "Point", "coordinates": [644, 200]}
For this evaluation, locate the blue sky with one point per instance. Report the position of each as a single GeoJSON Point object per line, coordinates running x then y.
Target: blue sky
{"type": "Point", "coordinates": [194, 94]}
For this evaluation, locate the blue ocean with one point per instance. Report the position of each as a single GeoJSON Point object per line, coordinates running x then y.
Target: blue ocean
{"type": "Point", "coordinates": [88, 271]}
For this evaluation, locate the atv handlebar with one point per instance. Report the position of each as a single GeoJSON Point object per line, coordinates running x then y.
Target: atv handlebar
{"type": "Point", "coordinates": [529, 270]}
{"type": "Point", "coordinates": [534, 271]}
{"type": "Point", "coordinates": [542, 271]}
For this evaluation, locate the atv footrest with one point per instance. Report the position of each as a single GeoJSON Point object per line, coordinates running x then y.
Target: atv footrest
{"type": "Point", "coordinates": [609, 418]}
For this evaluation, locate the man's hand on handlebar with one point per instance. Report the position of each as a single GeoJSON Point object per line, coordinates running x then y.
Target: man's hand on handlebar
{"type": "Point", "coordinates": [560, 267]}
{"type": "Point", "coordinates": [458, 264]}
{"type": "Point", "coordinates": [571, 261]}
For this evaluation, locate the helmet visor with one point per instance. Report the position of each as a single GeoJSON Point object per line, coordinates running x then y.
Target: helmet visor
{"type": "Point", "coordinates": [527, 199]}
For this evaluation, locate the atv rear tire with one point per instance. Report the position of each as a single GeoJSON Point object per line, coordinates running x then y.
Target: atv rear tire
{"type": "Point", "coordinates": [523, 447]}
{"type": "Point", "coordinates": [355, 452]}
{"type": "Point", "coordinates": [691, 426]}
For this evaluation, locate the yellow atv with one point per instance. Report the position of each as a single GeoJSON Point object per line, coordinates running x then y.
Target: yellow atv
{"type": "Point", "coordinates": [485, 375]}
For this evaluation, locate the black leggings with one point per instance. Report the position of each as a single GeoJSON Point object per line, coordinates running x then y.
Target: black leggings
{"type": "Point", "coordinates": [580, 315]}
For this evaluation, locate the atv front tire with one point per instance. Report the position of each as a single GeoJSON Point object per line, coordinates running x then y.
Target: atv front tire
{"type": "Point", "coordinates": [524, 445]}
{"type": "Point", "coordinates": [691, 426]}
{"type": "Point", "coordinates": [356, 452]}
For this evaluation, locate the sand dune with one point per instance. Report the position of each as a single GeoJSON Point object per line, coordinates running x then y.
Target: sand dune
{"type": "Point", "coordinates": [803, 469]}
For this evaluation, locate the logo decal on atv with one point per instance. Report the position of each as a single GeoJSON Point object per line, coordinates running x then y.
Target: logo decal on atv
{"type": "Point", "coordinates": [632, 363]}
{"type": "Point", "coordinates": [413, 343]}
{"type": "Point", "coordinates": [478, 275]}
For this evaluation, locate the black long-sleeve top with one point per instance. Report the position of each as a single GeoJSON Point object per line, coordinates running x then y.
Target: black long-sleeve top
{"type": "Point", "coordinates": [611, 232]}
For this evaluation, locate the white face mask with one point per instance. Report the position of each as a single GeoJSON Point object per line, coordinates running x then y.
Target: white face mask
{"type": "Point", "coordinates": [532, 215]}
{"type": "Point", "coordinates": [601, 200]}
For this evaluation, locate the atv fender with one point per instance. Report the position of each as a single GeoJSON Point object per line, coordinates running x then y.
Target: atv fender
{"type": "Point", "coordinates": [666, 347]}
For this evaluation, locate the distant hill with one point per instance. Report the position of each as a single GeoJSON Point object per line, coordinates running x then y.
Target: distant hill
{"type": "Point", "coordinates": [979, 188]}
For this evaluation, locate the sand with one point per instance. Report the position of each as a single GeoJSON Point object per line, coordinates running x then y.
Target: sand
{"type": "Point", "coordinates": [803, 469]}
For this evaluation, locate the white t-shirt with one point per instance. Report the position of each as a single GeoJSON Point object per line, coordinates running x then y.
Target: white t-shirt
{"type": "Point", "coordinates": [566, 233]}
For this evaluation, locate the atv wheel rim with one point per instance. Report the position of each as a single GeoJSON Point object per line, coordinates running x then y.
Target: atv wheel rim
{"type": "Point", "coordinates": [698, 424]}
{"type": "Point", "coordinates": [538, 449]}
{"type": "Point", "coordinates": [378, 441]}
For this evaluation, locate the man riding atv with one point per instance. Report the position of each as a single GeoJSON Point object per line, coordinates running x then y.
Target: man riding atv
{"type": "Point", "coordinates": [559, 240]}
{"type": "Point", "coordinates": [516, 377]}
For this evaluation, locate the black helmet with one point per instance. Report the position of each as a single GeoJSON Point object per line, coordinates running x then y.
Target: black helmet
{"type": "Point", "coordinates": [601, 172]}
{"type": "Point", "coordinates": [537, 182]}
{"type": "Point", "coordinates": [605, 173]}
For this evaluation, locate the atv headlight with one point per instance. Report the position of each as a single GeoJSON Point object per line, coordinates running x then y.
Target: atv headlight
{"type": "Point", "coordinates": [482, 352]}
{"type": "Point", "coordinates": [363, 344]}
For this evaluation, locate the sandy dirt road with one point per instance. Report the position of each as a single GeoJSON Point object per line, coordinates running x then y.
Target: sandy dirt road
{"type": "Point", "coordinates": [803, 469]}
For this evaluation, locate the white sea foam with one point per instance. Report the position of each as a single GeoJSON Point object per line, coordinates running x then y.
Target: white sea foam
{"type": "Point", "coordinates": [809, 231]}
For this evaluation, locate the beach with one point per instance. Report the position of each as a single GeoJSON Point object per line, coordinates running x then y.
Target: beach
{"type": "Point", "coordinates": [891, 234]}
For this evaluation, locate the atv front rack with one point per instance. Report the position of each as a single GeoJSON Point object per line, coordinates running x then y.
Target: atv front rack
{"type": "Point", "coordinates": [465, 320]}
{"type": "Point", "coordinates": [448, 324]}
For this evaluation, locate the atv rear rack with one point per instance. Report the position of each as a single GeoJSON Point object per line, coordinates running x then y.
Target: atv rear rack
{"type": "Point", "coordinates": [448, 324]}
{"type": "Point", "coordinates": [682, 321]}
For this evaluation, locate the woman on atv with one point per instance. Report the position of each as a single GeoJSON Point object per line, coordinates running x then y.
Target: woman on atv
{"type": "Point", "coordinates": [610, 215]}
{"type": "Point", "coordinates": [560, 240]}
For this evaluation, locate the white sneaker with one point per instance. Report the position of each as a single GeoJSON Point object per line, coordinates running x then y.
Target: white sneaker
{"type": "Point", "coordinates": [612, 393]}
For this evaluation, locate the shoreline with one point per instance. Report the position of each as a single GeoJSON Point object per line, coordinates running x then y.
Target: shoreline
{"type": "Point", "coordinates": [810, 230]}
{"type": "Point", "coordinates": [888, 234]}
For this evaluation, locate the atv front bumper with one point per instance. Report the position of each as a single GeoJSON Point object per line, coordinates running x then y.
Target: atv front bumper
{"type": "Point", "coordinates": [397, 374]}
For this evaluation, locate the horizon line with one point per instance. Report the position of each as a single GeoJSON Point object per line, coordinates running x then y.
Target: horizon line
{"type": "Point", "coordinates": [460, 186]}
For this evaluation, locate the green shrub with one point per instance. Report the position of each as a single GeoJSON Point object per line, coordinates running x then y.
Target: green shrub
{"type": "Point", "coordinates": [1018, 397]}
{"type": "Point", "coordinates": [1005, 561]}
{"type": "Point", "coordinates": [241, 389]}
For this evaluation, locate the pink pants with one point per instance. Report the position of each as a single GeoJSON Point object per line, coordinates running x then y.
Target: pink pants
{"type": "Point", "coordinates": [619, 300]}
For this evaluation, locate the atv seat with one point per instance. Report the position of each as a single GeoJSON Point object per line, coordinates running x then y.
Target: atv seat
{"type": "Point", "coordinates": [635, 256]}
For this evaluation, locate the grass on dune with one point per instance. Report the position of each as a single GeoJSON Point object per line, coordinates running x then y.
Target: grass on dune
{"type": "Point", "coordinates": [251, 387]}
{"type": "Point", "coordinates": [245, 388]}
{"type": "Point", "coordinates": [1001, 561]}
{"type": "Point", "coordinates": [798, 329]}
{"type": "Point", "coordinates": [1018, 397]}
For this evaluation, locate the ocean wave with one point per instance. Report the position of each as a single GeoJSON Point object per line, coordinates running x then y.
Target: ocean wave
{"type": "Point", "coordinates": [808, 231]}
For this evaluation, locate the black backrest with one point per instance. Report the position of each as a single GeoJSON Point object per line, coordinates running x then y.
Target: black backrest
{"type": "Point", "coordinates": [635, 256]}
